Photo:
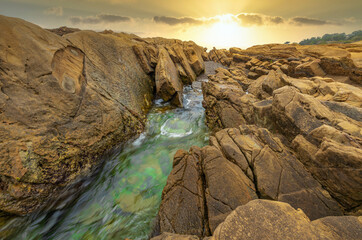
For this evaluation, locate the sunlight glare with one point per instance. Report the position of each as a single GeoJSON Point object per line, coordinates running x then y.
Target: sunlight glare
{"type": "Point", "coordinates": [226, 32]}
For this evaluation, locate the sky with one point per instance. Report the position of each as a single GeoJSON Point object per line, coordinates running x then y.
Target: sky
{"type": "Point", "coordinates": [209, 23]}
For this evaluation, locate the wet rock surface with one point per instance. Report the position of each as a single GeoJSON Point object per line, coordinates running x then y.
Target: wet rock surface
{"type": "Point", "coordinates": [67, 99]}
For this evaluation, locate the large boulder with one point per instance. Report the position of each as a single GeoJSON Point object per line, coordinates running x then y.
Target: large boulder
{"type": "Point", "coordinates": [262, 219]}
{"type": "Point", "coordinates": [179, 58]}
{"type": "Point", "coordinates": [226, 186]}
{"type": "Point", "coordinates": [62, 106]}
{"type": "Point", "coordinates": [172, 236]}
{"type": "Point", "coordinates": [195, 57]}
{"type": "Point", "coordinates": [334, 158]}
{"type": "Point", "coordinates": [182, 209]}
{"type": "Point", "coordinates": [168, 83]}
{"type": "Point", "coordinates": [310, 69]}
{"type": "Point", "coordinates": [296, 113]}
{"type": "Point", "coordinates": [224, 99]}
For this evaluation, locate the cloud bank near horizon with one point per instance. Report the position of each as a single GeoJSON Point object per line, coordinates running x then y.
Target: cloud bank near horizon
{"type": "Point", "coordinates": [101, 18]}
{"type": "Point", "coordinates": [244, 19]}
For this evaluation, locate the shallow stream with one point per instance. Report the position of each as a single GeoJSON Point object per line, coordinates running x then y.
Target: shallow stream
{"type": "Point", "coordinates": [123, 198]}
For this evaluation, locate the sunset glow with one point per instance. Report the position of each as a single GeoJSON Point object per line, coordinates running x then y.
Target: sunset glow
{"type": "Point", "coordinates": [169, 119]}
{"type": "Point", "coordinates": [209, 23]}
{"type": "Point", "coordinates": [226, 32]}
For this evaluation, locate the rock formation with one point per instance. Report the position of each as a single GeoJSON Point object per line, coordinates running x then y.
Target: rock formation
{"type": "Point", "coordinates": [286, 124]}
{"type": "Point", "coordinates": [295, 60]}
{"type": "Point", "coordinates": [168, 83]}
{"type": "Point", "coordinates": [284, 159]}
{"type": "Point", "coordinates": [263, 219]}
{"type": "Point", "coordinates": [241, 164]}
{"type": "Point", "coordinates": [66, 100]}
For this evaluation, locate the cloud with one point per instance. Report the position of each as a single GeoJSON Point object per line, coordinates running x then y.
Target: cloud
{"type": "Point", "coordinates": [101, 18]}
{"type": "Point", "coordinates": [175, 21]}
{"type": "Point", "coordinates": [250, 19]}
{"type": "Point", "coordinates": [56, 11]}
{"type": "Point", "coordinates": [308, 21]}
{"type": "Point", "coordinates": [275, 20]}
{"type": "Point", "coordinates": [244, 19]}
{"type": "Point", "coordinates": [113, 18]}
{"type": "Point", "coordinates": [254, 19]}
{"type": "Point", "coordinates": [351, 20]}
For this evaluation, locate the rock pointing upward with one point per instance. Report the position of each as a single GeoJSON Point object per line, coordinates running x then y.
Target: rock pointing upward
{"type": "Point", "coordinates": [168, 83]}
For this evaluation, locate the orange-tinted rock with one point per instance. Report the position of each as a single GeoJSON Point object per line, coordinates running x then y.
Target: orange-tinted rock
{"type": "Point", "coordinates": [168, 83]}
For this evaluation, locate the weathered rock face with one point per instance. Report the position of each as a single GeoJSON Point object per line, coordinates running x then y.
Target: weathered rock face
{"type": "Point", "coordinates": [307, 112]}
{"type": "Point", "coordinates": [182, 210]}
{"type": "Point", "coordinates": [263, 219]}
{"type": "Point", "coordinates": [62, 105]}
{"type": "Point", "coordinates": [172, 236]}
{"type": "Point", "coordinates": [241, 164]}
{"type": "Point", "coordinates": [295, 60]}
{"type": "Point", "coordinates": [322, 132]}
{"type": "Point", "coordinates": [222, 56]}
{"type": "Point", "coordinates": [303, 147]}
{"type": "Point", "coordinates": [65, 101]}
{"type": "Point", "coordinates": [186, 58]}
{"type": "Point", "coordinates": [168, 83]}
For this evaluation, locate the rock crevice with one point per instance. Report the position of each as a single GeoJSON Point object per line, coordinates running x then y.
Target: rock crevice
{"type": "Point", "coordinates": [286, 127]}
{"type": "Point", "coordinates": [66, 100]}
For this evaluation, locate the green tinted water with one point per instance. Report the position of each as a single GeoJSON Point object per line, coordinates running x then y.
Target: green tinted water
{"type": "Point", "coordinates": [122, 200]}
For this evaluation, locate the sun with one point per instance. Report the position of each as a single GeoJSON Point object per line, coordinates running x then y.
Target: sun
{"type": "Point", "coordinates": [224, 32]}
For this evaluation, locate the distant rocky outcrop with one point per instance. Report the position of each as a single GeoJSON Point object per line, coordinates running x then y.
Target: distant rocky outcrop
{"type": "Point", "coordinates": [286, 126]}
{"type": "Point", "coordinates": [63, 30]}
{"type": "Point", "coordinates": [65, 101]}
{"type": "Point", "coordinates": [295, 60]}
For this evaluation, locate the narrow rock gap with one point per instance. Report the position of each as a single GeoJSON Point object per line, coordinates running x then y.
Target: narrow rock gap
{"type": "Point", "coordinates": [251, 166]}
{"type": "Point", "coordinates": [205, 222]}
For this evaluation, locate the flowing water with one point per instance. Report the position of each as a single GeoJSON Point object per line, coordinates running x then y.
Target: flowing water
{"type": "Point", "coordinates": [122, 200]}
